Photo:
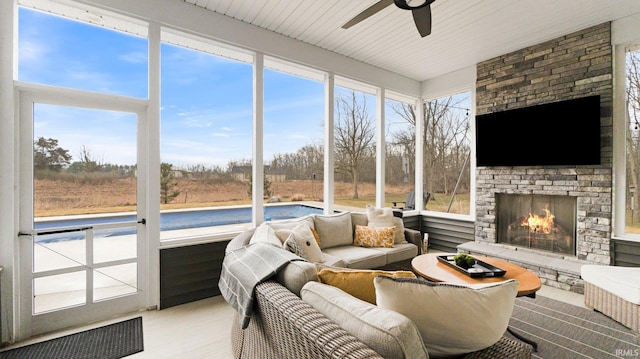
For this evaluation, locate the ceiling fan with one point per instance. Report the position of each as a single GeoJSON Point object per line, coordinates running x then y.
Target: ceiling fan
{"type": "Point", "coordinates": [421, 13]}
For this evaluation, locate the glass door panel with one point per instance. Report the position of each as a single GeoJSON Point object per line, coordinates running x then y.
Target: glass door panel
{"type": "Point", "coordinates": [55, 251]}
{"type": "Point", "coordinates": [83, 261]}
{"type": "Point", "coordinates": [115, 281]}
{"type": "Point", "coordinates": [60, 291]}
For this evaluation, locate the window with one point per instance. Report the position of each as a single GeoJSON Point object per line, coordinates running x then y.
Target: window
{"type": "Point", "coordinates": [632, 142]}
{"type": "Point", "coordinates": [61, 52]}
{"type": "Point", "coordinates": [400, 138]}
{"type": "Point", "coordinates": [355, 154]}
{"type": "Point", "coordinates": [446, 153]}
{"type": "Point", "coordinates": [293, 138]}
{"type": "Point", "coordinates": [206, 138]}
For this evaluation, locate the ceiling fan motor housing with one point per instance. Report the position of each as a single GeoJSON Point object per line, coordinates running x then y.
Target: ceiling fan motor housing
{"type": "Point", "coordinates": [404, 5]}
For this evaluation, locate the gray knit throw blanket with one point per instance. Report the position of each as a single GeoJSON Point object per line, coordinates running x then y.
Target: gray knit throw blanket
{"type": "Point", "coordinates": [246, 267]}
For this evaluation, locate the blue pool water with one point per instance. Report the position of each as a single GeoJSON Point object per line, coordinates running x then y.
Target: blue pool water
{"type": "Point", "coordinates": [174, 220]}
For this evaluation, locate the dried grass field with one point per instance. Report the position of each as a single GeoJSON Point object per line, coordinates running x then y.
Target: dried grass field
{"type": "Point", "coordinates": [56, 198]}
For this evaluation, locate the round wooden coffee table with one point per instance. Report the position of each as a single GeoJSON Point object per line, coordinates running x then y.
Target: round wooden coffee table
{"type": "Point", "coordinates": [429, 267]}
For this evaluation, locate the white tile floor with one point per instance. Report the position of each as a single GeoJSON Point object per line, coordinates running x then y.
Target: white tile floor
{"type": "Point", "coordinates": [199, 329]}
{"type": "Point", "coordinates": [202, 329]}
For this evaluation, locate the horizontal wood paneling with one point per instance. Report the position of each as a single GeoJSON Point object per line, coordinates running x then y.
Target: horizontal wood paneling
{"type": "Point", "coordinates": [412, 222]}
{"type": "Point", "coordinates": [190, 273]}
{"type": "Point", "coordinates": [445, 234]}
{"type": "Point", "coordinates": [626, 253]}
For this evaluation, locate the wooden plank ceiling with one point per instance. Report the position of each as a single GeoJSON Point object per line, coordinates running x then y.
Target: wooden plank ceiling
{"type": "Point", "coordinates": [463, 32]}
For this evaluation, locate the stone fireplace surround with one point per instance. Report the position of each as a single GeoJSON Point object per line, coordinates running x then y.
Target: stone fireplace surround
{"type": "Point", "coordinates": [575, 65]}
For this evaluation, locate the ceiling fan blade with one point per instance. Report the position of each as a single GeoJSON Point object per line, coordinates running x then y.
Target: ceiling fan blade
{"type": "Point", "coordinates": [368, 12]}
{"type": "Point", "coordinates": [422, 18]}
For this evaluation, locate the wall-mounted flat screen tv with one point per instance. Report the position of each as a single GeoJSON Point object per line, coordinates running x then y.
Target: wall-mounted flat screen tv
{"type": "Point", "coordinates": [564, 133]}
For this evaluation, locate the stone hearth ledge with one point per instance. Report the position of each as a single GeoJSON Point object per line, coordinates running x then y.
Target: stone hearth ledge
{"type": "Point", "coordinates": [554, 270]}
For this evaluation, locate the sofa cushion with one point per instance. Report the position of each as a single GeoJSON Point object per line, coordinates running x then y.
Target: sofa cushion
{"type": "Point", "coordinates": [329, 260]}
{"type": "Point", "coordinates": [358, 218]}
{"type": "Point", "coordinates": [296, 274]}
{"type": "Point", "coordinates": [383, 217]}
{"type": "Point", "coordinates": [299, 239]}
{"type": "Point", "coordinates": [239, 241]}
{"type": "Point", "coordinates": [389, 333]}
{"type": "Point", "coordinates": [358, 282]}
{"type": "Point", "coordinates": [452, 319]}
{"type": "Point", "coordinates": [623, 282]}
{"type": "Point", "coordinates": [358, 257]}
{"type": "Point", "coordinates": [380, 217]}
{"type": "Point", "coordinates": [366, 236]}
{"type": "Point", "coordinates": [264, 233]}
{"type": "Point", "coordinates": [399, 252]}
{"type": "Point", "coordinates": [334, 229]}
{"type": "Point", "coordinates": [286, 223]}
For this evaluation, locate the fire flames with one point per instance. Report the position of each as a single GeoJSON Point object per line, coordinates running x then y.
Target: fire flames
{"type": "Point", "coordinates": [539, 224]}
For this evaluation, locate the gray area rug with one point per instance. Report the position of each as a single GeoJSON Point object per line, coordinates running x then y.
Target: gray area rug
{"type": "Point", "coordinates": [112, 341]}
{"type": "Point", "coordinates": [566, 331]}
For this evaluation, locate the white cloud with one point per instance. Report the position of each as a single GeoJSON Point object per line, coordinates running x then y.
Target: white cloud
{"type": "Point", "coordinates": [134, 57]}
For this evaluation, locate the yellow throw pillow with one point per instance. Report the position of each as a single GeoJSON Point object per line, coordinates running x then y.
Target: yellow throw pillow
{"type": "Point", "coordinates": [358, 283]}
{"type": "Point", "coordinates": [374, 236]}
{"type": "Point", "coordinates": [383, 217]}
{"type": "Point", "coordinates": [315, 235]}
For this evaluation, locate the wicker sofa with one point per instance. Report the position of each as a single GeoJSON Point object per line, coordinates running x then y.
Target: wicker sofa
{"type": "Point", "coordinates": [284, 326]}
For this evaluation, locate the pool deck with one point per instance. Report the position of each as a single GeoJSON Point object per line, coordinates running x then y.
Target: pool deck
{"type": "Point", "coordinates": [58, 291]}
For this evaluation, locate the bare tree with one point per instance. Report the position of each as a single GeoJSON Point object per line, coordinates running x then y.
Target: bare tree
{"type": "Point", "coordinates": [300, 164]}
{"type": "Point", "coordinates": [633, 131]}
{"type": "Point", "coordinates": [445, 144]}
{"type": "Point", "coordinates": [87, 161]}
{"type": "Point", "coordinates": [401, 150]}
{"type": "Point", "coordinates": [354, 137]}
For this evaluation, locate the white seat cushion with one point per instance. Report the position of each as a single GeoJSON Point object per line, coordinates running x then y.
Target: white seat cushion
{"type": "Point", "coordinates": [389, 333]}
{"type": "Point", "coordinates": [452, 319]}
{"type": "Point", "coordinates": [358, 257]}
{"type": "Point", "coordinates": [399, 252]}
{"type": "Point", "coordinates": [623, 282]}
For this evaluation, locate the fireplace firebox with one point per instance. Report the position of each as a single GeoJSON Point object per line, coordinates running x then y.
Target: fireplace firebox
{"type": "Point", "coordinates": [541, 222]}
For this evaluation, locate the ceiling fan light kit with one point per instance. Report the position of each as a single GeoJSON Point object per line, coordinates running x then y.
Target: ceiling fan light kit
{"type": "Point", "coordinates": [421, 13]}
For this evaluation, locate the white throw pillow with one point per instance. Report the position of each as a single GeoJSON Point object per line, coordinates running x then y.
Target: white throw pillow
{"type": "Point", "coordinates": [287, 223]}
{"type": "Point", "coordinates": [379, 217]}
{"type": "Point", "coordinates": [383, 217]}
{"type": "Point", "coordinates": [452, 319]}
{"type": "Point", "coordinates": [304, 240]}
{"type": "Point", "coordinates": [291, 244]}
{"type": "Point", "coordinates": [390, 334]}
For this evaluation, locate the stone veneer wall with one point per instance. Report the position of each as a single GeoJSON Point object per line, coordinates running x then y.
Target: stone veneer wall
{"type": "Point", "coordinates": [576, 65]}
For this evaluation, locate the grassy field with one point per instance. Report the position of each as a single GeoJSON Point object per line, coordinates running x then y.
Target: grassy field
{"type": "Point", "coordinates": [57, 198]}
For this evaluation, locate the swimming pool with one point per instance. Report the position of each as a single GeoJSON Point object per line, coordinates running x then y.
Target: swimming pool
{"type": "Point", "coordinates": [173, 220]}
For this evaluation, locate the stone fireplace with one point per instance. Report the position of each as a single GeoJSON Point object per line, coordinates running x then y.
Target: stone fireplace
{"type": "Point", "coordinates": [539, 222]}
{"type": "Point", "coordinates": [572, 66]}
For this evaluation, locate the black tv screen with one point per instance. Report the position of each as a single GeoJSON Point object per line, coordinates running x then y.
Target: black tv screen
{"type": "Point", "coordinates": [564, 133]}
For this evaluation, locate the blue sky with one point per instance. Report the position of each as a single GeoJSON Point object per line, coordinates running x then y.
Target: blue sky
{"type": "Point", "coordinates": [206, 100]}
